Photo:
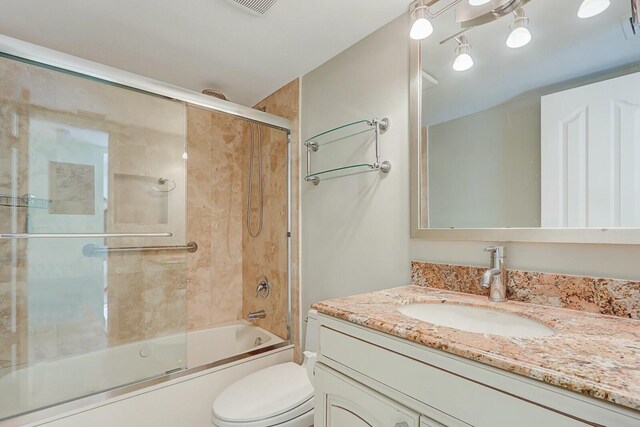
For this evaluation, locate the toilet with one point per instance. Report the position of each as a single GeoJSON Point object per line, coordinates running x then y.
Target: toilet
{"type": "Point", "coordinates": [280, 395]}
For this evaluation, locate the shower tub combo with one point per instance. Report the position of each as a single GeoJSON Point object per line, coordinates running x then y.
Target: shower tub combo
{"type": "Point", "coordinates": [94, 259]}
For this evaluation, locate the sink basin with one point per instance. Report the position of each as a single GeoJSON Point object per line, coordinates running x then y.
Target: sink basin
{"type": "Point", "coordinates": [477, 319]}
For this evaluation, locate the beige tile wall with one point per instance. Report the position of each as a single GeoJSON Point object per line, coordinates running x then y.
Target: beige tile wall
{"type": "Point", "coordinates": [223, 274]}
{"type": "Point", "coordinates": [214, 217]}
{"type": "Point", "coordinates": [268, 253]}
{"type": "Point", "coordinates": [147, 291]}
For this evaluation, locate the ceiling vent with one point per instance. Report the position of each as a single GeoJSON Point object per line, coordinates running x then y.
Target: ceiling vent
{"type": "Point", "coordinates": [256, 7]}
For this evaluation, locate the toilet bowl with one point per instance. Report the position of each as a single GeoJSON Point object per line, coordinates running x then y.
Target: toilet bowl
{"type": "Point", "coordinates": [280, 395]}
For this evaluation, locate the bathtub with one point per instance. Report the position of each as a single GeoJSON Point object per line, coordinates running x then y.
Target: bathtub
{"type": "Point", "coordinates": [226, 340]}
{"type": "Point", "coordinates": [58, 381]}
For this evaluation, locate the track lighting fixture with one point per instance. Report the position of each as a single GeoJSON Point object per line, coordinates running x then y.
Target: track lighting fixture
{"type": "Point", "coordinates": [421, 27]}
{"type": "Point", "coordinates": [463, 60]}
{"type": "Point", "coordinates": [520, 35]}
{"type": "Point", "coordinates": [589, 8]}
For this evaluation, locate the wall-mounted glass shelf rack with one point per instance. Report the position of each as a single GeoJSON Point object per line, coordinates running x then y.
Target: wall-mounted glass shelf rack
{"type": "Point", "coordinates": [341, 133]}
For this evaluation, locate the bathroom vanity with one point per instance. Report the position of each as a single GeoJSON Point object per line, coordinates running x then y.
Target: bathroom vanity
{"type": "Point", "coordinates": [378, 366]}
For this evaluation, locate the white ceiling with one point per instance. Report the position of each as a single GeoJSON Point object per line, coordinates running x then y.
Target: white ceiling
{"type": "Point", "coordinates": [563, 48]}
{"type": "Point", "coordinates": [197, 44]}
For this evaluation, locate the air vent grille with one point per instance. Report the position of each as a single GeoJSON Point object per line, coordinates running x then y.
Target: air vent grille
{"type": "Point", "coordinates": [258, 7]}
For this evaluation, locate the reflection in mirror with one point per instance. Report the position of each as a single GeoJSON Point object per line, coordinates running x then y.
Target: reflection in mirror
{"type": "Point", "coordinates": [530, 119]}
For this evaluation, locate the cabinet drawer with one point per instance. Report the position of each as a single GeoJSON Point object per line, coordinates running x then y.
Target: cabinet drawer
{"type": "Point", "coordinates": [459, 397]}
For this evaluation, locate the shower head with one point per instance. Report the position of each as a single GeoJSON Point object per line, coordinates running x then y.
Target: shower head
{"type": "Point", "coordinates": [214, 93]}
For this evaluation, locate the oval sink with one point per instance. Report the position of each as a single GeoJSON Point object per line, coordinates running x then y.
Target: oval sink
{"type": "Point", "coordinates": [477, 319]}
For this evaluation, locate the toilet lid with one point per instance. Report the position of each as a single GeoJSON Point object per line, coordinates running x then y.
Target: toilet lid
{"type": "Point", "coordinates": [264, 394]}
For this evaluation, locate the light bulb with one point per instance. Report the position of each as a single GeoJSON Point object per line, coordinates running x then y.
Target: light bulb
{"type": "Point", "coordinates": [590, 8]}
{"type": "Point", "coordinates": [519, 37]}
{"type": "Point", "coordinates": [463, 62]}
{"type": "Point", "coordinates": [478, 2]}
{"type": "Point", "coordinates": [520, 34]}
{"type": "Point", "coordinates": [421, 27]}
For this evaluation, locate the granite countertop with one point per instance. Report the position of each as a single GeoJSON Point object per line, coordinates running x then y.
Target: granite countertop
{"type": "Point", "coordinates": [593, 354]}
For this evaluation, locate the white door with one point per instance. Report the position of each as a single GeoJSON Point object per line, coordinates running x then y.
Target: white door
{"type": "Point", "coordinates": [590, 156]}
{"type": "Point", "coordinates": [342, 402]}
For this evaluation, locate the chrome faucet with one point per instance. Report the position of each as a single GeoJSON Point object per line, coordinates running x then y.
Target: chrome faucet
{"type": "Point", "coordinates": [255, 315]}
{"type": "Point", "coordinates": [495, 278]}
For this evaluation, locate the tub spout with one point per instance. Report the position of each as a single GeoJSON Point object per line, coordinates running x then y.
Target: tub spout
{"type": "Point", "coordinates": [255, 315]}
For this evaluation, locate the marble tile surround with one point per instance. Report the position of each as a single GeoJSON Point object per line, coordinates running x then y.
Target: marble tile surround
{"type": "Point", "coordinates": [595, 295]}
{"type": "Point", "coordinates": [223, 274]}
{"type": "Point", "coordinates": [268, 253]}
{"type": "Point", "coordinates": [214, 217]}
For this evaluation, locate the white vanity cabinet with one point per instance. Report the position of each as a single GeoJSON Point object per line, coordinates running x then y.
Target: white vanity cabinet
{"type": "Point", "coordinates": [367, 378]}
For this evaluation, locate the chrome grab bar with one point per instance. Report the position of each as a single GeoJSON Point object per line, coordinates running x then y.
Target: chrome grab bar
{"type": "Point", "coordinates": [78, 235]}
{"type": "Point", "coordinates": [92, 250]}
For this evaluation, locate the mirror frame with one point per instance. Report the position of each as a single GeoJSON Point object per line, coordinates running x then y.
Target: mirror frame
{"type": "Point", "coordinates": [615, 236]}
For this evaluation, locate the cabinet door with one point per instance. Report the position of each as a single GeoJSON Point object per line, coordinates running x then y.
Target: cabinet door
{"type": "Point", "coordinates": [342, 402]}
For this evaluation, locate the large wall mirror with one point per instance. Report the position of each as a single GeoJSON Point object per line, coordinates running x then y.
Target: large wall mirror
{"type": "Point", "coordinates": [525, 121]}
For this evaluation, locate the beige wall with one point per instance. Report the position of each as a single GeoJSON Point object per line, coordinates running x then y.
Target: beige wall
{"type": "Point", "coordinates": [355, 229]}
{"type": "Point", "coordinates": [355, 234]}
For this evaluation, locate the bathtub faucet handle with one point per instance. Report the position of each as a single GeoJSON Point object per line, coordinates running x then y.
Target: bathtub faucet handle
{"type": "Point", "coordinates": [263, 287]}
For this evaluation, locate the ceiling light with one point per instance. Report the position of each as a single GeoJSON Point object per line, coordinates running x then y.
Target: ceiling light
{"type": "Point", "coordinates": [421, 27]}
{"type": "Point", "coordinates": [590, 8]}
{"type": "Point", "coordinates": [520, 34]}
{"type": "Point", "coordinates": [478, 2]}
{"type": "Point", "coordinates": [463, 60]}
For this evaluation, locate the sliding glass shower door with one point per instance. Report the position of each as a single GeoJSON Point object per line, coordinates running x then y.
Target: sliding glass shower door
{"type": "Point", "coordinates": [92, 236]}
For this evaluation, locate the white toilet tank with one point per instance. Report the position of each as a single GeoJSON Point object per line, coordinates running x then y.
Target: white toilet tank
{"type": "Point", "coordinates": [311, 341]}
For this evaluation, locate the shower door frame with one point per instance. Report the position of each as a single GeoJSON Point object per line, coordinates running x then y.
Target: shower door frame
{"type": "Point", "coordinates": [22, 51]}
